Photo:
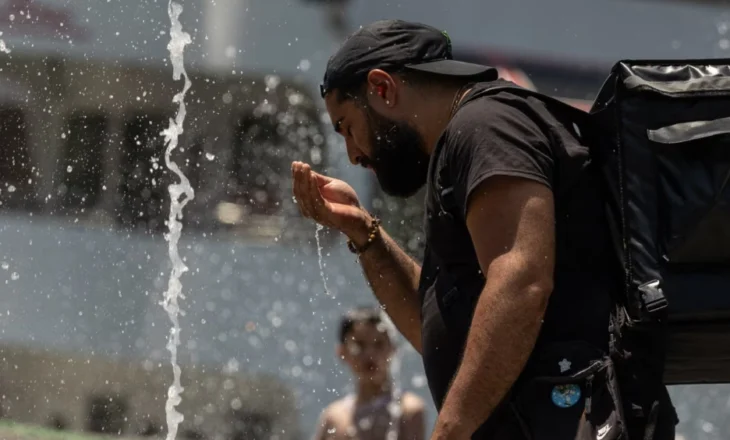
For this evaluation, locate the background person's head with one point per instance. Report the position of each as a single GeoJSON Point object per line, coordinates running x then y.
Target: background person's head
{"type": "Point", "coordinates": [388, 91]}
{"type": "Point", "coordinates": [366, 345]}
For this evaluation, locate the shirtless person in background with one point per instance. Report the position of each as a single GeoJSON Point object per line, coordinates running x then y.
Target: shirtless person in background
{"type": "Point", "coordinates": [371, 413]}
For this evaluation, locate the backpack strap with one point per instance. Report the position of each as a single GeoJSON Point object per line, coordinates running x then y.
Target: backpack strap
{"type": "Point", "coordinates": [581, 118]}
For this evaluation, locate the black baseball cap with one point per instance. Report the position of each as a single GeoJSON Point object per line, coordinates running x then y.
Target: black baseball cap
{"type": "Point", "coordinates": [395, 45]}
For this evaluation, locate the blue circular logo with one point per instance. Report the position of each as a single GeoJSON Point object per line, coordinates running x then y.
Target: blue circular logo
{"type": "Point", "coordinates": [566, 396]}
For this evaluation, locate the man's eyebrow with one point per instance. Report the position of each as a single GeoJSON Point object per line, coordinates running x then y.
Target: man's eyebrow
{"type": "Point", "coordinates": [338, 125]}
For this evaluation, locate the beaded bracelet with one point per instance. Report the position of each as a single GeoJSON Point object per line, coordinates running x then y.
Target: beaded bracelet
{"type": "Point", "coordinates": [372, 235]}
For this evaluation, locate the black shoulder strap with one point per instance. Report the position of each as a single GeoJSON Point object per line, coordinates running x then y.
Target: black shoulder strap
{"type": "Point", "coordinates": [580, 117]}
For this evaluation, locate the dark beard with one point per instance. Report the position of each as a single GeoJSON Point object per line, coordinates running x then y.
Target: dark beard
{"type": "Point", "coordinates": [399, 156]}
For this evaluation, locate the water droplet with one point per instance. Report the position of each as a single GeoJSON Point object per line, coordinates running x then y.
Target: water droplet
{"type": "Point", "coordinates": [5, 266]}
{"type": "Point", "coordinates": [11, 188]}
{"type": "Point", "coordinates": [707, 427]}
{"type": "Point", "coordinates": [290, 346]}
{"type": "Point", "coordinates": [272, 81]}
{"type": "Point", "coordinates": [14, 276]}
{"type": "Point", "coordinates": [230, 52]}
{"type": "Point", "coordinates": [69, 169]}
{"type": "Point", "coordinates": [723, 27]}
{"type": "Point", "coordinates": [418, 381]}
{"type": "Point", "coordinates": [366, 423]}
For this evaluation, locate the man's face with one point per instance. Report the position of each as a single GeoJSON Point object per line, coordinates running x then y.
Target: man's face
{"type": "Point", "coordinates": [367, 350]}
{"type": "Point", "coordinates": [393, 149]}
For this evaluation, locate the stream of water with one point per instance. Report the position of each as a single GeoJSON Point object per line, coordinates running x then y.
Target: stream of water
{"type": "Point", "coordinates": [321, 260]}
{"type": "Point", "coordinates": [180, 194]}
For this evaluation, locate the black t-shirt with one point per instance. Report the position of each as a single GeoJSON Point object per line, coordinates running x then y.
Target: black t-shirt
{"type": "Point", "coordinates": [506, 134]}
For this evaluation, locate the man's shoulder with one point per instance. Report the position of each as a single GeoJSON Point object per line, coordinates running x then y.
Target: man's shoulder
{"type": "Point", "coordinates": [412, 404]}
{"type": "Point", "coordinates": [337, 408]}
{"type": "Point", "coordinates": [503, 111]}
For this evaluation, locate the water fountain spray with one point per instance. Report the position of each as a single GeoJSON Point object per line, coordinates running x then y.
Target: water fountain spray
{"type": "Point", "coordinates": [180, 194]}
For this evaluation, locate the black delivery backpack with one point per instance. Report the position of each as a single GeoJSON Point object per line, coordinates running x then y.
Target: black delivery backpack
{"type": "Point", "coordinates": [662, 130]}
{"type": "Point", "coordinates": [660, 133]}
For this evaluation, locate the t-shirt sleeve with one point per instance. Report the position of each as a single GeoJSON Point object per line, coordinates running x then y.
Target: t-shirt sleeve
{"type": "Point", "coordinates": [492, 138]}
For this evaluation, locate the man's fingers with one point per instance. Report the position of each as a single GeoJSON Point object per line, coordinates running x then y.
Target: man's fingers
{"type": "Point", "coordinates": [318, 202]}
{"type": "Point", "coordinates": [307, 184]}
{"type": "Point", "coordinates": [300, 184]}
{"type": "Point", "coordinates": [322, 180]}
{"type": "Point", "coordinates": [305, 193]}
{"type": "Point", "coordinates": [312, 194]}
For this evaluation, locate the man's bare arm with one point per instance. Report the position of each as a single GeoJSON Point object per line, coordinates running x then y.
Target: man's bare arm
{"type": "Point", "coordinates": [511, 221]}
{"type": "Point", "coordinates": [392, 274]}
{"type": "Point", "coordinates": [394, 278]}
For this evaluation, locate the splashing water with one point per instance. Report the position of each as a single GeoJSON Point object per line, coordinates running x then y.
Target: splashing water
{"type": "Point", "coordinates": [180, 194]}
{"type": "Point", "coordinates": [723, 28]}
{"type": "Point", "coordinates": [321, 261]}
{"type": "Point", "coordinates": [3, 47]}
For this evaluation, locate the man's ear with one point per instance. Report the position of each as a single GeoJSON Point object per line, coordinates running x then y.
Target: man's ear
{"type": "Point", "coordinates": [382, 88]}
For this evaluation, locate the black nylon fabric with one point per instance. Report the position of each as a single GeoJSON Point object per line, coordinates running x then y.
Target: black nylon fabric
{"type": "Point", "coordinates": [666, 138]}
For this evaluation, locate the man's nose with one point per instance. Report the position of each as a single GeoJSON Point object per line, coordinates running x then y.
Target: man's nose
{"type": "Point", "coordinates": [353, 153]}
{"type": "Point", "coordinates": [369, 351]}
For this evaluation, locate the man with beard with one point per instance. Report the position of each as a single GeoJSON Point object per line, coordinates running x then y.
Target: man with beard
{"type": "Point", "coordinates": [516, 280]}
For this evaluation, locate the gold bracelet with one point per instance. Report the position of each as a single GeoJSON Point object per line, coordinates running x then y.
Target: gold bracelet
{"type": "Point", "coordinates": [372, 235]}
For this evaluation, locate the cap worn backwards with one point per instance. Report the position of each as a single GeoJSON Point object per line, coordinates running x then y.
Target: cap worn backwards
{"type": "Point", "coordinates": [394, 45]}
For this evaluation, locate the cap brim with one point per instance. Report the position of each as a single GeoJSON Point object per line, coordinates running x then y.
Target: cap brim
{"type": "Point", "coordinates": [456, 68]}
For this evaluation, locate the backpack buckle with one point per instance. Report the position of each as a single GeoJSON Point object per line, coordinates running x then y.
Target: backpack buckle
{"type": "Point", "coordinates": [653, 297]}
